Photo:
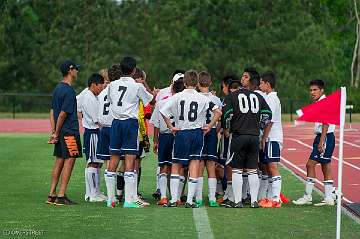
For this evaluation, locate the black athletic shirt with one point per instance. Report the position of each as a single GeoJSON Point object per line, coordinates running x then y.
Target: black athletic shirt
{"type": "Point", "coordinates": [64, 99]}
{"type": "Point", "coordinates": [242, 110]}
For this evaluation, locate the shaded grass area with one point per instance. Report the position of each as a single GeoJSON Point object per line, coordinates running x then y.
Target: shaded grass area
{"type": "Point", "coordinates": [25, 176]}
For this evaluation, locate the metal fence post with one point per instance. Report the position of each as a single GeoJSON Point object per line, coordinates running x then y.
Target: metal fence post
{"type": "Point", "coordinates": [291, 110]}
{"type": "Point", "coordinates": [14, 104]}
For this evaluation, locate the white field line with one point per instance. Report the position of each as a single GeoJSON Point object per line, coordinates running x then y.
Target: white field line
{"type": "Point", "coordinates": [304, 173]}
{"type": "Point", "coordinates": [351, 144]}
{"type": "Point", "coordinates": [310, 147]}
{"type": "Point", "coordinates": [202, 223]}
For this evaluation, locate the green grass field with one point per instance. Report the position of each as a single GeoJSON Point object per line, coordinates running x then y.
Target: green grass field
{"type": "Point", "coordinates": [26, 164]}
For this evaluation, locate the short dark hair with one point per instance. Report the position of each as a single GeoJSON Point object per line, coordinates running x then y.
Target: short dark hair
{"type": "Point", "coordinates": [269, 77]}
{"type": "Point", "coordinates": [127, 65]}
{"type": "Point", "coordinates": [205, 79]}
{"type": "Point", "coordinates": [139, 74]}
{"type": "Point", "coordinates": [96, 79]}
{"type": "Point", "coordinates": [178, 86]}
{"type": "Point", "coordinates": [235, 84]}
{"type": "Point", "coordinates": [177, 71]}
{"type": "Point", "coordinates": [252, 73]}
{"type": "Point", "coordinates": [114, 72]}
{"type": "Point", "coordinates": [191, 78]}
{"type": "Point", "coordinates": [229, 78]}
{"type": "Point", "coordinates": [318, 82]}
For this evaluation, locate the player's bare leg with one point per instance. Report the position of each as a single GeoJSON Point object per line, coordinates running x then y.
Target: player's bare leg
{"type": "Point", "coordinates": [55, 175]}
{"type": "Point", "coordinates": [310, 183]}
{"type": "Point", "coordinates": [65, 176]}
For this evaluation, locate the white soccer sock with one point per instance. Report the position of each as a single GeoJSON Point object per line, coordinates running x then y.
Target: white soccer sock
{"type": "Point", "coordinates": [110, 181]}
{"type": "Point", "coordinates": [87, 186]}
{"type": "Point", "coordinates": [269, 188]}
{"type": "Point", "coordinates": [157, 178]}
{"type": "Point", "coordinates": [163, 184]}
{"type": "Point", "coordinates": [328, 184]}
{"type": "Point", "coordinates": [219, 188]}
{"type": "Point", "coordinates": [309, 186]}
{"type": "Point", "coordinates": [135, 191]}
{"type": "Point", "coordinates": [237, 184]}
{"type": "Point", "coordinates": [264, 183]}
{"type": "Point", "coordinates": [212, 188]}
{"type": "Point", "coordinates": [253, 185]}
{"type": "Point", "coordinates": [199, 189]}
{"type": "Point", "coordinates": [230, 191]}
{"type": "Point", "coordinates": [181, 186]}
{"type": "Point", "coordinates": [129, 186]}
{"type": "Point", "coordinates": [91, 177]}
{"type": "Point", "coordinates": [245, 187]}
{"type": "Point", "coordinates": [174, 187]}
{"type": "Point", "coordinates": [276, 188]}
{"type": "Point", "coordinates": [97, 181]}
{"type": "Point", "coordinates": [192, 184]}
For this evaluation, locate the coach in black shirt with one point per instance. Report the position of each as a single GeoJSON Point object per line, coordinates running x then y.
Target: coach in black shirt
{"type": "Point", "coordinates": [64, 133]}
{"type": "Point", "coordinates": [242, 111]}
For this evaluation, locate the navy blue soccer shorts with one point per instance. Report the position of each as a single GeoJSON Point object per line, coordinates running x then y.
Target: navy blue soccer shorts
{"type": "Point", "coordinates": [91, 137]}
{"type": "Point", "coordinates": [124, 137]}
{"type": "Point", "coordinates": [188, 145]}
{"type": "Point", "coordinates": [271, 152]}
{"type": "Point", "coordinates": [103, 151]}
{"type": "Point", "coordinates": [166, 143]}
{"type": "Point", "coordinates": [329, 149]}
{"type": "Point", "coordinates": [210, 146]}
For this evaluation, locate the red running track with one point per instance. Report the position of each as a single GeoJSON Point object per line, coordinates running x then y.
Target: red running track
{"type": "Point", "coordinates": [297, 148]}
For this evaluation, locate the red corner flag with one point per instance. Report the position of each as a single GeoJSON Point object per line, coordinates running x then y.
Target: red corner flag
{"type": "Point", "coordinates": [325, 111]}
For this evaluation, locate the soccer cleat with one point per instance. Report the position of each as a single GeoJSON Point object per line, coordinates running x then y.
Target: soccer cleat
{"type": "Point", "coordinates": [86, 198]}
{"type": "Point", "coordinates": [183, 198]}
{"type": "Point", "coordinates": [179, 203]}
{"type": "Point", "coordinates": [50, 200]}
{"type": "Point", "coordinates": [131, 205]}
{"type": "Point", "coordinates": [97, 198]}
{"type": "Point", "coordinates": [170, 204]}
{"type": "Point", "coordinates": [193, 205]}
{"type": "Point", "coordinates": [246, 200]}
{"type": "Point", "coordinates": [213, 204]}
{"type": "Point", "coordinates": [305, 200]}
{"type": "Point", "coordinates": [64, 201]}
{"type": "Point", "coordinates": [101, 195]}
{"type": "Point", "coordinates": [157, 194]}
{"type": "Point", "coordinates": [325, 202]}
{"type": "Point", "coordinates": [110, 202]}
{"type": "Point", "coordinates": [276, 204]}
{"type": "Point", "coordinates": [220, 200]}
{"type": "Point", "coordinates": [163, 201]}
{"type": "Point", "coordinates": [119, 198]}
{"type": "Point", "coordinates": [224, 202]}
{"type": "Point", "coordinates": [254, 205]}
{"type": "Point", "coordinates": [141, 203]}
{"type": "Point", "coordinates": [284, 199]}
{"type": "Point", "coordinates": [200, 203]}
{"type": "Point", "coordinates": [234, 205]}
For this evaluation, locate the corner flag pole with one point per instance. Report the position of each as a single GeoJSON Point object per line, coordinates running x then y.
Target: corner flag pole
{"type": "Point", "coordinates": [340, 164]}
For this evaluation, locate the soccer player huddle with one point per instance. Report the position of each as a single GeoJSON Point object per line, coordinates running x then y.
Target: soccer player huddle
{"type": "Point", "coordinates": [237, 139]}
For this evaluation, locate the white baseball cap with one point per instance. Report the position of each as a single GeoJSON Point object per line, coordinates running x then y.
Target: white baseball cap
{"type": "Point", "coordinates": [177, 77]}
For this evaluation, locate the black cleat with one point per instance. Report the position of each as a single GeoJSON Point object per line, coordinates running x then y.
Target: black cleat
{"type": "Point", "coordinates": [254, 205]}
{"type": "Point", "coordinates": [247, 200]}
{"type": "Point", "coordinates": [50, 200]}
{"type": "Point", "coordinates": [183, 198]}
{"type": "Point", "coordinates": [170, 204]}
{"type": "Point", "coordinates": [238, 205]}
{"type": "Point", "coordinates": [188, 205]}
{"type": "Point", "coordinates": [225, 202]}
{"type": "Point", "coordinates": [229, 204]}
{"type": "Point", "coordinates": [64, 201]}
{"type": "Point", "coordinates": [157, 194]}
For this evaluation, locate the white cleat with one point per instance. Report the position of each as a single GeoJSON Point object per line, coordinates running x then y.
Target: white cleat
{"type": "Point", "coordinates": [141, 202]}
{"type": "Point", "coordinates": [305, 200]}
{"type": "Point", "coordinates": [86, 198]}
{"type": "Point", "coordinates": [97, 198]}
{"type": "Point", "coordinates": [326, 202]}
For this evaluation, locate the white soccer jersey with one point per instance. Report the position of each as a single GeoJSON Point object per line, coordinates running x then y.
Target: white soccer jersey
{"type": "Point", "coordinates": [318, 126]}
{"type": "Point", "coordinates": [157, 120]}
{"type": "Point", "coordinates": [216, 100]}
{"type": "Point", "coordinates": [163, 93]}
{"type": "Point", "coordinates": [124, 96]}
{"type": "Point", "coordinates": [189, 109]}
{"type": "Point", "coordinates": [79, 99]}
{"type": "Point", "coordinates": [105, 116]}
{"type": "Point", "coordinates": [90, 109]}
{"type": "Point", "coordinates": [276, 131]}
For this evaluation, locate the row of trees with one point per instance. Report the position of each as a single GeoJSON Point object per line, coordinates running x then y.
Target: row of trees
{"type": "Point", "coordinates": [299, 40]}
